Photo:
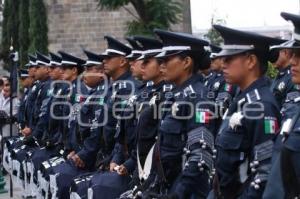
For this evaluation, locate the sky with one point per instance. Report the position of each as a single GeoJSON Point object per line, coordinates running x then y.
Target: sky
{"type": "Point", "coordinates": [242, 13]}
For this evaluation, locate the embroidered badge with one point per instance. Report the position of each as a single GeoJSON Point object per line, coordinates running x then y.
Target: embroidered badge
{"type": "Point", "coordinates": [270, 125]}
{"type": "Point", "coordinates": [281, 86]}
{"type": "Point", "coordinates": [235, 120]}
{"type": "Point", "coordinates": [202, 116]}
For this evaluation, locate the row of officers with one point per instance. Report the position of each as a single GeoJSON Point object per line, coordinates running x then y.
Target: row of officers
{"type": "Point", "coordinates": [173, 117]}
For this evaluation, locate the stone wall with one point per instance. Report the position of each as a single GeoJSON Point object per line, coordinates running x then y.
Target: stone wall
{"type": "Point", "coordinates": [76, 24]}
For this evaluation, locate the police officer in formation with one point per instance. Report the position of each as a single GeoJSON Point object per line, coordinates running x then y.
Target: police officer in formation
{"type": "Point", "coordinates": [138, 122]}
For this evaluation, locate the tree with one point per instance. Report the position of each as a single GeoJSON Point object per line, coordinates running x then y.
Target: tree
{"type": "Point", "coordinates": [25, 26]}
{"type": "Point", "coordinates": [38, 30]}
{"type": "Point", "coordinates": [9, 28]}
{"type": "Point", "coordinates": [213, 35]}
{"type": "Point", "coordinates": [150, 14]}
{"type": "Point", "coordinates": [272, 71]}
{"type": "Point", "coordinates": [23, 31]}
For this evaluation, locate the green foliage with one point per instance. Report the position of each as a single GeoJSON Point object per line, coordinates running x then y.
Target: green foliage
{"type": "Point", "coordinates": [9, 28]}
{"type": "Point", "coordinates": [213, 35]}
{"type": "Point", "coordinates": [38, 27]}
{"type": "Point", "coordinates": [24, 26]}
{"type": "Point", "coordinates": [272, 71]}
{"type": "Point", "coordinates": [23, 31]}
{"type": "Point", "coordinates": [151, 14]}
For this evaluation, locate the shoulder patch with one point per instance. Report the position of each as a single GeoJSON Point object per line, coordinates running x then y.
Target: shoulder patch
{"type": "Point", "coordinates": [202, 116]}
{"type": "Point", "coordinates": [227, 87]}
{"type": "Point", "coordinates": [271, 125]}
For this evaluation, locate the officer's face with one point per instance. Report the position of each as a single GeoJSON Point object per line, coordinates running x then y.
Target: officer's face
{"type": "Point", "coordinates": [136, 68]}
{"type": "Point", "coordinates": [235, 68]}
{"type": "Point", "coordinates": [31, 72]}
{"type": "Point", "coordinates": [93, 76]}
{"type": "Point", "coordinates": [151, 70]}
{"type": "Point", "coordinates": [41, 72]}
{"type": "Point", "coordinates": [295, 69]}
{"type": "Point", "coordinates": [26, 81]}
{"type": "Point", "coordinates": [6, 88]}
{"type": "Point", "coordinates": [112, 64]}
{"type": "Point", "coordinates": [56, 73]}
{"type": "Point", "coordinates": [216, 64]}
{"type": "Point", "coordinates": [69, 73]}
{"type": "Point", "coordinates": [176, 69]}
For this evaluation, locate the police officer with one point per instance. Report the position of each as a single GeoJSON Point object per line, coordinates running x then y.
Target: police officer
{"type": "Point", "coordinates": [120, 90]}
{"type": "Point", "coordinates": [244, 141]}
{"type": "Point", "coordinates": [10, 143]}
{"type": "Point", "coordinates": [285, 92]}
{"type": "Point", "coordinates": [135, 65]}
{"type": "Point", "coordinates": [290, 149]}
{"type": "Point", "coordinates": [214, 81]}
{"type": "Point", "coordinates": [124, 157]}
{"type": "Point", "coordinates": [74, 134]}
{"type": "Point", "coordinates": [282, 84]}
{"type": "Point", "coordinates": [117, 68]}
{"type": "Point", "coordinates": [26, 81]}
{"type": "Point", "coordinates": [182, 56]}
{"type": "Point", "coordinates": [18, 152]}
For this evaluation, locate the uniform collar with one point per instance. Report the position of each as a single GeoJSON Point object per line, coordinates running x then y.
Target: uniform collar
{"type": "Point", "coordinates": [124, 76]}
{"type": "Point", "coordinates": [284, 71]}
{"type": "Point", "coordinates": [190, 81]}
{"type": "Point", "coordinates": [159, 85]}
{"type": "Point", "coordinates": [259, 83]}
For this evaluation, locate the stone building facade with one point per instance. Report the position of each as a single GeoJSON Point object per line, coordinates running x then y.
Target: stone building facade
{"type": "Point", "coordinates": [76, 24]}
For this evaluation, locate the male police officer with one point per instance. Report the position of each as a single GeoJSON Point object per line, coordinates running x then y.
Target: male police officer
{"type": "Point", "coordinates": [244, 141]}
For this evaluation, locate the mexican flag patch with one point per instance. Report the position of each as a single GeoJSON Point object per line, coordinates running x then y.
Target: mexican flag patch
{"type": "Point", "coordinates": [78, 98]}
{"type": "Point", "coordinates": [271, 125]}
{"type": "Point", "coordinates": [202, 117]}
{"type": "Point", "coordinates": [227, 87]}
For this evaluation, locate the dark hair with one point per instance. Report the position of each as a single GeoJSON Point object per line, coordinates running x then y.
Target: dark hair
{"type": "Point", "coordinates": [263, 59]}
{"type": "Point", "coordinates": [1, 82]}
{"type": "Point", "coordinates": [80, 69]}
{"type": "Point", "coordinates": [201, 59]}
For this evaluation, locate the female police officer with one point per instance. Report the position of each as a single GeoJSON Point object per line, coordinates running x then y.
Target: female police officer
{"type": "Point", "coordinates": [244, 141]}
{"type": "Point", "coordinates": [185, 124]}
{"type": "Point", "coordinates": [290, 129]}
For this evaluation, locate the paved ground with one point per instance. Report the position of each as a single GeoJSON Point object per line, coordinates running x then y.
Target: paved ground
{"type": "Point", "coordinates": [17, 191]}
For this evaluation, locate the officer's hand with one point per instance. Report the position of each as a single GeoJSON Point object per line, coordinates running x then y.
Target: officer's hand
{"type": "Point", "coordinates": [112, 166]}
{"type": "Point", "coordinates": [70, 155]}
{"type": "Point", "coordinates": [78, 162]}
{"type": "Point", "coordinates": [122, 170]}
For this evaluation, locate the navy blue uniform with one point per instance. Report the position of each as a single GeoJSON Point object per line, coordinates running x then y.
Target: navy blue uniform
{"type": "Point", "coordinates": [244, 142]}
{"type": "Point", "coordinates": [282, 85]}
{"type": "Point", "coordinates": [275, 186]}
{"type": "Point", "coordinates": [288, 111]}
{"type": "Point", "coordinates": [121, 89]}
{"type": "Point", "coordinates": [189, 111]}
{"type": "Point", "coordinates": [21, 112]}
{"type": "Point", "coordinates": [29, 106]}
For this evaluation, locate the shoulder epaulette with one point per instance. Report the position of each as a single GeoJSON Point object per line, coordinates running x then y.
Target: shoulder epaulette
{"type": "Point", "coordinates": [253, 96]}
